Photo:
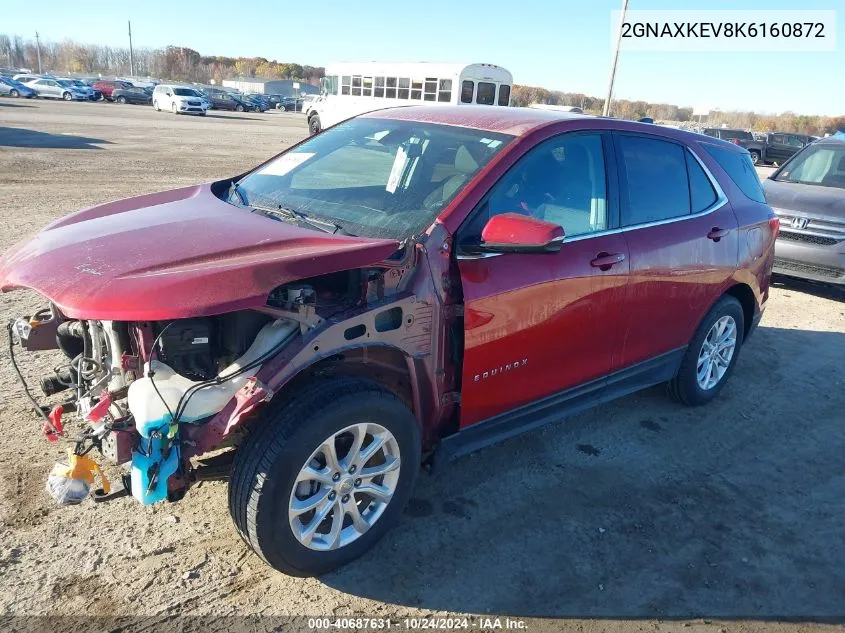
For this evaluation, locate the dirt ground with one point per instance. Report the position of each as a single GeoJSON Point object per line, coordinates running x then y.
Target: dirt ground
{"type": "Point", "coordinates": [637, 515]}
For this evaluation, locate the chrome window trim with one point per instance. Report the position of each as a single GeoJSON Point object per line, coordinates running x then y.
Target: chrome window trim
{"type": "Point", "coordinates": [721, 200]}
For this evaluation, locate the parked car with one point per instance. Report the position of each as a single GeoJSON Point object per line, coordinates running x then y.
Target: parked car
{"type": "Point", "coordinates": [258, 105]}
{"type": "Point", "coordinates": [776, 147]}
{"type": "Point", "coordinates": [49, 88]}
{"type": "Point", "coordinates": [179, 99]}
{"type": "Point", "coordinates": [93, 93]}
{"type": "Point", "coordinates": [11, 88]}
{"type": "Point", "coordinates": [289, 104]}
{"type": "Point", "coordinates": [808, 194]}
{"type": "Point", "coordinates": [132, 95]}
{"type": "Point", "coordinates": [367, 297]}
{"type": "Point", "coordinates": [264, 102]}
{"type": "Point", "coordinates": [732, 135]}
{"type": "Point", "coordinates": [108, 86]}
{"type": "Point", "coordinates": [25, 78]}
{"type": "Point", "coordinates": [229, 101]}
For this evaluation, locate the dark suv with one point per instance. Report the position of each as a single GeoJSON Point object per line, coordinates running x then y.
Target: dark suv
{"type": "Point", "coordinates": [411, 284]}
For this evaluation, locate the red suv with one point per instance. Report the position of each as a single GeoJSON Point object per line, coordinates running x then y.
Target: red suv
{"type": "Point", "coordinates": [107, 87]}
{"type": "Point", "coordinates": [411, 284]}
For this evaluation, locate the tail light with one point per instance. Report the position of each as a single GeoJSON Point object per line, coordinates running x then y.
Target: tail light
{"type": "Point", "coordinates": [774, 224]}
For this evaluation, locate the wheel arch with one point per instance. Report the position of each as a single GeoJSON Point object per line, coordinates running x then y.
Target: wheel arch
{"type": "Point", "coordinates": [384, 364]}
{"type": "Point", "coordinates": [743, 293]}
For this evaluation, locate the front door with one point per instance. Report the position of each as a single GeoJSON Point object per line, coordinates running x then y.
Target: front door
{"type": "Point", "coordinates": [682, 236]}
{"type": "Point", "coordinates": [538, 324]}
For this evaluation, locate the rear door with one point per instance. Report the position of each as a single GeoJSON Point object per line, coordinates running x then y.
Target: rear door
{"type": "Point", "coordinates": [682, 236]}
{"type": "Point", "coordinates": [539, 324]}
{"type": "Point", "coordinates": [778, 150]}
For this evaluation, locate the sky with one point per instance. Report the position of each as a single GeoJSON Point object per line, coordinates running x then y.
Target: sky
{"type": "Point", "coordinates": [556, 44]}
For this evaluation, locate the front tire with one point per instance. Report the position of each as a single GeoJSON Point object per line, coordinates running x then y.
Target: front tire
{"type": "Point", "coordinates": [240, 108]}
{"type": "Point", "coordinates": [121, 100]}
{"type": "Point", "coordinates": [755, 157]}
{"type": "Point", "coordinates": [14, 93]}
{"type": "Point", "coordinates": [174, 108]}
{"type": "Point", "coordinates": [712, 354]}
{"type": "Point", "coordinates": [314, 125]}
{"type": "Point", "coordinates": [325, 475]}
{"type": "Point", "coordinates": [67, 96]}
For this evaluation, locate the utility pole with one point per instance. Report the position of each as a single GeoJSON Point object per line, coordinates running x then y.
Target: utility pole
{"type": "Point", "coordinates": [131, 54]}
{"type": "Point", "coordinates": [38, 48]}
{"type": "Point", "coordinates": [606, 110]}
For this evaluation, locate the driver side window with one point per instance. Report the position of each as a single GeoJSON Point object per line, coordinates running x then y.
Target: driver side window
{"type": "Point", "coordinates": [562, 181]}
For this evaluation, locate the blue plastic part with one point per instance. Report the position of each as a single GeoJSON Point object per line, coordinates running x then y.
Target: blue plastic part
{"type": "Point", "coordinates": [143, 461]}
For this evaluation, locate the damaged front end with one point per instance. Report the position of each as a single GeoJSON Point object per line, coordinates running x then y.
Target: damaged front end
{"type": "Point", "coordinates": [151, 395]}
{"type": "Point", "coordinates": [135, 385]}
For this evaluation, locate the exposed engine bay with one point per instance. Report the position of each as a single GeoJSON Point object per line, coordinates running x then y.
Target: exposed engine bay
{"type": "Point", "coordinates": [136, 386]}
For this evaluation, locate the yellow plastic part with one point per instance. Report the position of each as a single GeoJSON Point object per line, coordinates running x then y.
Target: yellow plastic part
{"type": "Point", "coordinates": [81, 467]}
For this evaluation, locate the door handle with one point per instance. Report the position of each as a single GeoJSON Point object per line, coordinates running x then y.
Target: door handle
{"type": "Point", "coordinates": [716, 233]}
{"type": "Point", "coordinates": [605, 261]}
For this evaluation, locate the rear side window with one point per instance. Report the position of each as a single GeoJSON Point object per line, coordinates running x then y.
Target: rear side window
{"type": "Point", "coordinates": [504, 95]}
{"type": "Point", "coordinates": [486, 93]}
{"type": "Point", "coordinates": [739, 167]}
{"type": "Point", "coordinates": [701, 192]}
{"type": "Point", "coordinates": [655, 174]}
{"type": "Point", "coordinates": [467, 88]}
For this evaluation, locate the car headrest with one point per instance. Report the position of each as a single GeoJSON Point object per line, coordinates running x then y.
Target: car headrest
{"type": "Point", "coordinates": [464, 162]}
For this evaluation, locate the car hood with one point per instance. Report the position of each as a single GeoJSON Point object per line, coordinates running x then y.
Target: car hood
{"type": "Point", "coordinates": [808, 199]}
{"type": "Point", "coordinates": [175, 254]}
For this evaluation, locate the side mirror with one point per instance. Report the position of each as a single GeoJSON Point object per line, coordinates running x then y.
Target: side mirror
{"type": "Point", "coordinates": [518, 233]}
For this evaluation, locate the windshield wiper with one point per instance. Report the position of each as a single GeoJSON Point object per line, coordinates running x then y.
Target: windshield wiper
{"type": "Point", "coordinates": [287, 213]}
{"type": "Point", "coordinates": [236, 189]}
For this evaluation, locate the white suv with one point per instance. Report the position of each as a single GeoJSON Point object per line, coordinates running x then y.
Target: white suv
{"type": "Point", "coordinates": [179, 99]}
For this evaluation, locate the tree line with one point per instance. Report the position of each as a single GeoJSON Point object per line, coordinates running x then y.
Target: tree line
{"type": "Point", "coordinates": [180, 63]}
{"type": "Point", "coordinates": [177, 63]}
{"type": "Point", "coordinates": [633, 110]}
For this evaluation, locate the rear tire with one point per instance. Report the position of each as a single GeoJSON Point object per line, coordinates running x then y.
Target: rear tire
{"type": "Point", "coordinates": [314, 125]}
{"type": "Point", "coordinates": [686, 387]}
{"type": "Point", "coordinates": [174, 108]}
{"type": "Point", "coordinates": [121, 100]}
{"type": "Point", "coordinates": [272, 465]}
{"type": "Point", "coordinates": [755, 157]}
{"type": "Point", "coordinates": [67, 96]}
{"type": "Point", "coordinates": [14, 93]}
{"type": "Point", "coordinates": [239, 108]}
{"type": "Point", "coordinates": [155, 106]}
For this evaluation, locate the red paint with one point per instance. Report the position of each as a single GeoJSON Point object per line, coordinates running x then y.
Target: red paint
{"type": "Point", "coordinates": [518, 229]}
{"type": "Point", "coordinates": [554, 309]}
{"type": "Point", "coordinates": [174, 255]}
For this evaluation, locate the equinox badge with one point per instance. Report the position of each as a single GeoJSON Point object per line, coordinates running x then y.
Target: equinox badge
{"type": "Point", "coordinates": [500, 370]}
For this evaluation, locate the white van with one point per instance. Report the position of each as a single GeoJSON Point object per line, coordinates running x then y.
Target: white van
{"type": "Point", "coordinates": [179, 100]}
{"type": "Point", "coordinates": [350, 89]}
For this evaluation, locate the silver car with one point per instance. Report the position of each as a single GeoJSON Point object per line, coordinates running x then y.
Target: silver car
{"type": "Point", "coordinates": [49, 88]}
{"type": "Point", "coordinates": [808, 195]}
{"type": "Point", "coordinates": [11, 88]}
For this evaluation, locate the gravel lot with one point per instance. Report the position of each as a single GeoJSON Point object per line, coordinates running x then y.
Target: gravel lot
{"type": "Point", "coordinates": [638, 515]}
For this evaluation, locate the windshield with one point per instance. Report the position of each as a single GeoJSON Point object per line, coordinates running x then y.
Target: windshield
{"type": "Point", "coordinates": [64, 83]}
{"type": "Point", "coordinates": [184, 92]}
{"type": "Point", "coordinates": [816, 165]}
{"type": "Point", "coordinates": [373, 177]}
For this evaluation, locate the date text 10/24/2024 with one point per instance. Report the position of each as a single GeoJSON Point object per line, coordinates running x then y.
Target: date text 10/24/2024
{"type": "Point", "coordinates": [431, 623]}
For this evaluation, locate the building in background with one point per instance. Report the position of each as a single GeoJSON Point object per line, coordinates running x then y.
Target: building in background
{"type": "Point", "coordinates": [284, 87]}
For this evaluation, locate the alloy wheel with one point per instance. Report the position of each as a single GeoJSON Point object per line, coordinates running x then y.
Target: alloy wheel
{"type": "Point", "coordinates": [716, 353]}
{"type": "Point", "coordinates": [344, 487]}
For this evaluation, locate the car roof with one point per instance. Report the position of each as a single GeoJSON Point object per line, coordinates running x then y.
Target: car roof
{"type": "Point", "coordinates": [521, 121]}
{"type": "Point", "coordinates": [829, 140]}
